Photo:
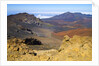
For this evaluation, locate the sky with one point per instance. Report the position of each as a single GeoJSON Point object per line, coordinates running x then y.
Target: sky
{"type": "Point", "coordinates": [48, 10]}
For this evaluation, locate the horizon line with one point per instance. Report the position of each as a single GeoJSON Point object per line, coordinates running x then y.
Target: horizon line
{"type": "Point", "coordinates": [56, 13]}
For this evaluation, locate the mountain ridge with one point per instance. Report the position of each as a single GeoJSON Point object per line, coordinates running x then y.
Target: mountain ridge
{"type": "Point", "coordinates": [70, 15]}
{"type": "Point", "coordinates": [24, 24]}
{"type": "Point", "coordinates": [68, 21]}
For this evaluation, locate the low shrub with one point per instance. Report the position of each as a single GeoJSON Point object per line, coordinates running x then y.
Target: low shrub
{"type": "Point", "coordinates": [32, 41]}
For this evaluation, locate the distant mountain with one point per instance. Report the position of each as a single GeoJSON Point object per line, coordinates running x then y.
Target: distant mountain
{"type": "Point", "coordinates": [25, 18]}
{"type": "Point", "coordinates": [70, 17]}
{"type": "Point", "coordinates": [71, 20]}
{"type": "Point", "coordinates": [23, 25]}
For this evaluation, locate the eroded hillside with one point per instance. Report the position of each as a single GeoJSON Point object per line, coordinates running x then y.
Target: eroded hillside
{"type": "Point", "coordinates": [23, 25]}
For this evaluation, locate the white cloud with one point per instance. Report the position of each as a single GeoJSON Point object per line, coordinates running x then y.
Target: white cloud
{"type": "Point", "coordinates": [47, 12]}
{"type": "Point", "coordinates": [58, 12]}
{"type": "Point", "coordinates": [41, 17]}
{"type": "Point", "coordinates": [83, 12]}
{"type": "Point", "coordinates": [53, 13]}
{"type": "Point", "coordinates": [86, 13]}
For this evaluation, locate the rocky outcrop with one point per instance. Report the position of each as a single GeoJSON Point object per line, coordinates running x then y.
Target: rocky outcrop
{"type": "Point", "coordinates": [16, 48]}
{"type": "Point", "coordinates": [76, 48]}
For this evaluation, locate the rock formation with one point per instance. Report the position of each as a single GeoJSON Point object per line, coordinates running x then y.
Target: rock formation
{"type": "Point", "coordinates": [76, 48]}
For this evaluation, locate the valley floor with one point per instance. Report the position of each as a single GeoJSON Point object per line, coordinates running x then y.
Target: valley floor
{"type": "Point", "coordinates": [48, 43]}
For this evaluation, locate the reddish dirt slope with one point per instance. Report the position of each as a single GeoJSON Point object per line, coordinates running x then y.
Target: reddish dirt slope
{"type": "Point", "coordinates": [70, 33]}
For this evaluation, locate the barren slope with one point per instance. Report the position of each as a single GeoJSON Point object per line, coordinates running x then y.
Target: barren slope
{"type": "Point", "coordinates": [79, 32]}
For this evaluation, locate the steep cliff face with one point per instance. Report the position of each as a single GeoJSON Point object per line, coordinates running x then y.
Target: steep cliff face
{"type": "Point", "coordinates": [72, 49]}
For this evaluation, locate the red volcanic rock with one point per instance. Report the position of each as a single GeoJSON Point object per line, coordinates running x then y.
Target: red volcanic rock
{"type": "Point", "coordinates": [71, 33]}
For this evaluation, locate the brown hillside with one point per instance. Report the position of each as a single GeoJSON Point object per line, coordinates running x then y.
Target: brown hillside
{"type": "Point", "coordinates": [80, 32]}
